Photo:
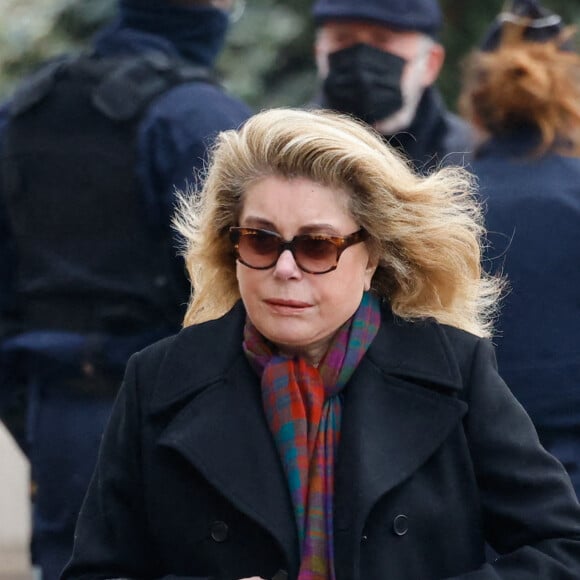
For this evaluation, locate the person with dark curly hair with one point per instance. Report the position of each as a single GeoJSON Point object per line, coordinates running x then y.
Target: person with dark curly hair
{"type": "Point", "coordinates": [522, 92]}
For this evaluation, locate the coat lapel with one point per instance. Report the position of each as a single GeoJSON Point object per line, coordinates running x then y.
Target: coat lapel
{"type": "Point", "coordinates": [223, 432]}
{"type": "Point", "coordinates": [397, 412]}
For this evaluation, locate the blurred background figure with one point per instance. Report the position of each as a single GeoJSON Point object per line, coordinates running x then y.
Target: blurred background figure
{"type": "Point", "coordinates": [378, 60]}
{"type": "Point", "coordinates": [92, 147]}
{"type": "Point", "coordinates": [522, 92]}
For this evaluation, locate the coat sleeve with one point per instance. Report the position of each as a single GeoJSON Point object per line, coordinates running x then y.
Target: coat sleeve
{"type": "Point", "coordinates": [175, 136]}
{"type": "Point", "coordinates": [111, 537]}
{"type": "Point", "coordinates": [530, 511]}
{"type": "Point", "coordinates": [8, 298]}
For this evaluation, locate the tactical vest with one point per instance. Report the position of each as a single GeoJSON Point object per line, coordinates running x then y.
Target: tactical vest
{"type": "Point", "coordinates": [92, 255]}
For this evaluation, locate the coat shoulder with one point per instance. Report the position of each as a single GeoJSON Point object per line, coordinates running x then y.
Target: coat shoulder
{"type": "Point", "coordinates": [461, 341]}
{"type": "Point", "coordinates": [191, 359]}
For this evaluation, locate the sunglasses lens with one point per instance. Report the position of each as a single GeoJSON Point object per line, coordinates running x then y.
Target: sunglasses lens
{"type": "Point", "coordinates": [258, 249]}
{"type": "Point", "coordinates": [315, 254]}
{"type": "Point", "coordinates": [261, 249]}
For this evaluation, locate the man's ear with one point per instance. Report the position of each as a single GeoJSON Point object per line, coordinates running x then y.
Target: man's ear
{"type": "Point", "coordinates": [435, 60]}
{"type": "Point", "coordinates": [320, 56]}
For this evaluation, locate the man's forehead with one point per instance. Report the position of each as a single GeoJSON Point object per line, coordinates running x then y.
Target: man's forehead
{"type": "Point", "coordinates": [226, 5]}
{"type": "Point", "coordinates": [355, 25]}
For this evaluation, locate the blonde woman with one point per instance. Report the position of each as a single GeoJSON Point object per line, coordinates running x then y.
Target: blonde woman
{"type": "Point", "coordinates": [331, 409]}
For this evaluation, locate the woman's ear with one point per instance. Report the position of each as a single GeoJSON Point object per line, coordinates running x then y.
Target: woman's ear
{"type": "Point", "coordinates": [370, 272]}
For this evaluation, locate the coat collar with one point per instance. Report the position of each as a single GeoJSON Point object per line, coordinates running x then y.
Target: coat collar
{"type": "Point", "coordinates": [194, 362]}
{"type": "Point", "coordinates": [514, 144]}
{"type": "Point", "coordinates": [398, 408]}
{"type": "Point", "coordinates": [199, 356]}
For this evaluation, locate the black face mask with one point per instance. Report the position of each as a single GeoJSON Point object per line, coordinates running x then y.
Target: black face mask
{"type": "Point", "coordinates": [365, 82]}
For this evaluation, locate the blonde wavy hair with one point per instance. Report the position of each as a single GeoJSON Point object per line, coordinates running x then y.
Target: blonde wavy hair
{"type": "Point", "coordinates": [523, 83]}
{"type": "Point", "coordinates": [425, 231]}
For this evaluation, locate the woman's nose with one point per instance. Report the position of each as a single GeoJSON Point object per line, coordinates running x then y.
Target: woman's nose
{"type": "Point", "coordinates": [286, 266]}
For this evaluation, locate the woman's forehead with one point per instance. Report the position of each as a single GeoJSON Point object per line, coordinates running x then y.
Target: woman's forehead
{"type": "Point", "coordinates": [297, 201]}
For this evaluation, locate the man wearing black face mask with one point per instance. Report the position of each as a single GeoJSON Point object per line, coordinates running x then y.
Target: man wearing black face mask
{"type": "Point", "coordinates": [378, 60]}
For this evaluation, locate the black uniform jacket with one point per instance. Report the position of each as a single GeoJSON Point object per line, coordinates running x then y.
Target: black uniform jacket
{"type": "Point", "coordinates": [436, 457]}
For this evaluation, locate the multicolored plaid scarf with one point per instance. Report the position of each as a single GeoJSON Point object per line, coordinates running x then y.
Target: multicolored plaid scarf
{"type": "Point", "coordinates": [304, 412]}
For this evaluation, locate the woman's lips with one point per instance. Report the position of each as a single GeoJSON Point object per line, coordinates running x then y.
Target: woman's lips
{"type": "Point", "coordinates": [285, 306]}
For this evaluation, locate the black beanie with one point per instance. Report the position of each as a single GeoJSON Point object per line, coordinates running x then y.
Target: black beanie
{"type": "Point", "coordinates": [417, 15]}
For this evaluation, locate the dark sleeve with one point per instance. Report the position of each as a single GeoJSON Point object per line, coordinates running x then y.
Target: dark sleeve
{"type": "Point", "coordinates": [8, 299]}
{"type": "Point", "coordinates": [173, 143]}
{"type": "Point", "coordinates": [112, 539]}
{"type": "Point", "coordinates": [7, 261]}
{"type": "Point", "coordinates": [531, 514]}
{"type": "Point", "coordinates": [175, 136]}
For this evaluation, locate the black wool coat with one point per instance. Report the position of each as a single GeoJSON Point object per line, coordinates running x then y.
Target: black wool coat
{"type": "Point", "coordinates": [436, 458]}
